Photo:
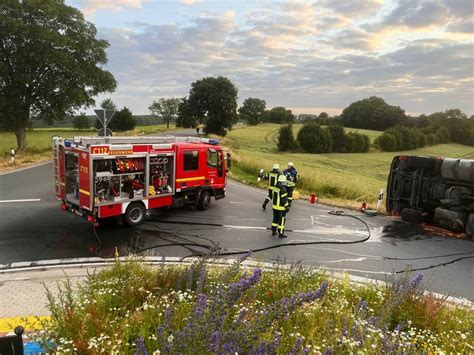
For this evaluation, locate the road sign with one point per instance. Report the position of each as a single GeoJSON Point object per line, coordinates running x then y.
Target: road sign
{"type": "Point", "coordinates": [104, 116]}
{"type": "Point", "coordinates": [104, 132]}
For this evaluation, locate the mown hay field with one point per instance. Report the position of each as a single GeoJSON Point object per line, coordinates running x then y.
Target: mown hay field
{"type": "Point", "coordinates": [337, 178]}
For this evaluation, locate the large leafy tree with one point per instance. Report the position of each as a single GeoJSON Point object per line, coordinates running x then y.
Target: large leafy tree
{"type": "Point", "coordinates": [166, 108]}
{"type": "Point", "coordinates": [185, 117]}
{"type": "Point", "coordinates": [252, 110]}
{"type": "Point", "coordinates": [213, 101]}
{"type": "Point", "coordinates": [372, 113]}
{"type": "Point", "coordinates": [278, 115]}
{"type": "Point", "coordinates": [50, 63]}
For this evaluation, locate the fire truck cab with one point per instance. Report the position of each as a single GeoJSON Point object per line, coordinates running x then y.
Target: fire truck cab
{"type": "Point", "coordinates": [101, 177]}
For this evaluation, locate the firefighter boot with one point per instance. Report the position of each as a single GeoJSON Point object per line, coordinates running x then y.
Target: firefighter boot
{"type": "Point", "coordinates": [274, 232]}
{"type": "Point", "coordinates": [282, 235]}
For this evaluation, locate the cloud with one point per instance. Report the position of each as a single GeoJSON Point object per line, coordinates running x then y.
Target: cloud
{"type": "Point", "coordinates": [189, 2]}
{"type": "Point", "coordinates": [418, 14]}
{"type": "Point", "coordinates": [326, 55]}
{"type": "Point", "coordinates": [89, 7]}
{"type": "Point", "coordinates": [352, 8]}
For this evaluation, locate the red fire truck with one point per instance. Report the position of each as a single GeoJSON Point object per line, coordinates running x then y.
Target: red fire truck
{"type": "Point", "coordinates": [101, 177]}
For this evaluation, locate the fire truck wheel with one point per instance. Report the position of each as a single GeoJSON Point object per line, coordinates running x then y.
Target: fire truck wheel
{"type": "Point", "coordinates": [135, 214]}
{"type": "Point", "coordinates": [204, 200]}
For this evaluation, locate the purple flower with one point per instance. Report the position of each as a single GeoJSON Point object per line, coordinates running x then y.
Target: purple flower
{"type": "Point", "coordinates": [200, 306]}
{"type": "Point", "coordinates": [297, 346]}
{"type": "Point", "coordinates": [328, 351]}
{"type": "Point", "coordinates": [216, 338]}
{"type": "Point", "coordinates": [201, 280]}
{"type": "Point", "coordinates": [140, 347]}
{"type": "Point", "coordinates": [362, 306]}
{"type": "Point", "coordinates": [414, 282]}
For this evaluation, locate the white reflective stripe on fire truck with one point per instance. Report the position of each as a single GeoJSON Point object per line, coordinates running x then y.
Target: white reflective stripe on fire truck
{"type": "Point", "coordinates": [191, 179]}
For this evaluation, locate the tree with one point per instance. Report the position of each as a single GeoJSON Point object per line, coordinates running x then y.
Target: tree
{"type": "Point", "coordinates": [185, 118]}
{"type": "Point", "coordinates": [278, 115]}
{"type": "Point", "coordinates": [372, 113]}
{"type": "Point", "coordinates": [315, 139]}
{"type": "Point", "coordinates": [50, 63]}
{"type": "Point", "coordinates": [122, 121]}
{"type": "Point", "coordinates": [108, 104]}
{"type": "Point", "coordinates": [252, 110]}
{"type": "Point", "coordinates": [323, 115]}
{"type": "Point", "coordinates": [81, 121]}
{"type": "Point", "coordinates": [213, 101]}
{"type": "Point", "coordinates": [166, 108]}
{"type": "Point", "coordinates": [286, 140]}
{"type": "Point", "coordinates": [338, 137]}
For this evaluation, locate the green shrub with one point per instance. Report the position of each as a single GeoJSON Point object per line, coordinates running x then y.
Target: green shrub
{"type": "Point", "coordinates": [338, 137]}
{"type": "Point", "coordinates": [432, 139]}
{"type": "Point", "coordinates": [286, 140]}
{"type": "Point", "coordinates": [443, 134]}
{"type": "Point", "coordinates": [315, 139]}
{"type": "Point", "coordinates": [387, 142]}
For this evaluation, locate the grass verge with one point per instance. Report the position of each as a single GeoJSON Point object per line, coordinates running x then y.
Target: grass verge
{"type": "Point", "coordinates": [133, 308]}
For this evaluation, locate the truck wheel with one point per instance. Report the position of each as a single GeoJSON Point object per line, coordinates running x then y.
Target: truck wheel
{"type": "Point", "coordinates": [204, 200]}
{"type": "Point", "coordinates": [135, 214]}
{"type": "Point", "coordinates": [411, 215]}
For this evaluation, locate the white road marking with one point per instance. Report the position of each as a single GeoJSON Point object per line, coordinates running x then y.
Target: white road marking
{"type": "Point", "coordinates": [24, 200]}
{"type": "Point", "coordinates": [243, 227]}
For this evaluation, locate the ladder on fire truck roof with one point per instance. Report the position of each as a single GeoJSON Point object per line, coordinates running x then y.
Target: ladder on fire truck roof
{"type": "Point", "coordinates": [86, 141]}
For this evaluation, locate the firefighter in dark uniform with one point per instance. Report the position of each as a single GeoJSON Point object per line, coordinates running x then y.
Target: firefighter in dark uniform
{"type": "Point", "coordinates": [280, 207]}
{"type": "Point", "coordinates": [272, 178]}
{"type": "Point", "coordinates": [292, 177]}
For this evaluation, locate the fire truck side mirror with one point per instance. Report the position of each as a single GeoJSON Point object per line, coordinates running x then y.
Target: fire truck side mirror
{"type": "Point", "coordinates": [229, 162]}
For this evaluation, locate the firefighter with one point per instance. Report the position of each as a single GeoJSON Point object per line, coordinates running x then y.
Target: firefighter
{"type": "Point", "coordinates": [280, 207]}
{"type": "Point", "coordinates": [272, 177]}
{"type": "Point", "coordinates": [292, 177]}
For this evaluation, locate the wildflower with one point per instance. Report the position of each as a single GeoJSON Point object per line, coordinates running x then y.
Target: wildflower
{"type": "Point", "coordinates": [140, 345]}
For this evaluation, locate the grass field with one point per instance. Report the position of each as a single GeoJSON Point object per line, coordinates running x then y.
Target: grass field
{"type": "Point", "coordinates": [342, 179]}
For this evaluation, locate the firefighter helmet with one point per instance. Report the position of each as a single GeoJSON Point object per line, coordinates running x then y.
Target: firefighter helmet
{"type": "Point", "coordinates": [290, 164]}
{"type": "Point", "coordinates": [282, 178]}
{"type": "Point", "coordinates": [276, 167]}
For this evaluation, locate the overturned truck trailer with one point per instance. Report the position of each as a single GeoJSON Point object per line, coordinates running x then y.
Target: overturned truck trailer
{"type": "Point", "coordinates": [433, 190]}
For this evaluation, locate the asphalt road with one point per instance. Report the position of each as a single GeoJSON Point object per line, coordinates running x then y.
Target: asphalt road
{"type": "Point", "coordinates": [37, 229]}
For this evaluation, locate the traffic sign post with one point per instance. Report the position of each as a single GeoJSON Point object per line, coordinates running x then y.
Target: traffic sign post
{"type": "Point", "coordinates": [104, 116]}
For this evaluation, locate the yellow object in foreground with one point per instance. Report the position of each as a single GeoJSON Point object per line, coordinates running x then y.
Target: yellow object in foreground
{"type": "Point", "coordinates": [29, 323]}
{"type": "Point", "coordinates": [296, 195]}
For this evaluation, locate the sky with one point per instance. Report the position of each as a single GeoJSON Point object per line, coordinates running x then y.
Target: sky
{"type": "Point", "coordinates": [307, 56]}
